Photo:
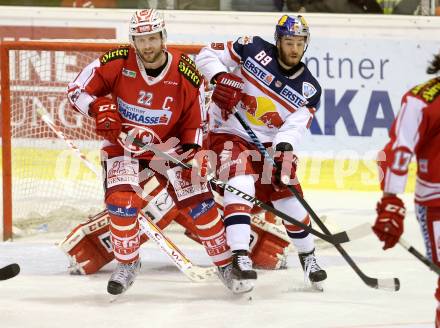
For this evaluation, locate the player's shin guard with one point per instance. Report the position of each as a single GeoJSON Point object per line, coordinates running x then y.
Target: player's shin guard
{"type": "Point", "coordinates": [211, 231]}
{"type": "Point", "coordinates": [123, 208]}
{"type": "Point", "coordinates": [237, 213]}
{"type": "Point", "coordinates": [238, 226]}
{"type": "Point", "coordinates": [238, 231]}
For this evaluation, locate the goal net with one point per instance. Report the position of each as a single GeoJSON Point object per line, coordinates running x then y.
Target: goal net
{"type": "Point", "coordinates": [45, 186]}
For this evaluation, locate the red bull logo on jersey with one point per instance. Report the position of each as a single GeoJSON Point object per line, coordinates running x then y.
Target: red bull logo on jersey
{"type": "Point", "coordinates": [258, 71]}
{"type": "Point", "coordinates": [261, 111]}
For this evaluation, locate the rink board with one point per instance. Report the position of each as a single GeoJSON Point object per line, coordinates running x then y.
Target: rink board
{"type": "Point", "coordinates": [315, 173]}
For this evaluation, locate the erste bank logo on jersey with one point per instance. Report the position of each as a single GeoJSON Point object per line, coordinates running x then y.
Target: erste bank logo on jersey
{"type": "Point", "coordinates": [293, 97]}
{"type": "Point", "coordinates": [258, 71]}
{"type": "Point", "coordinates": [143, 116]}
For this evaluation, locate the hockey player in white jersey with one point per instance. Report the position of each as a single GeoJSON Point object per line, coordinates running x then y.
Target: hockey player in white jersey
{"type": "Point", "coordinates": [277, 96]}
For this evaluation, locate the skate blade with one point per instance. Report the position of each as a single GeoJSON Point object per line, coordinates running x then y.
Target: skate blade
{"type": "Point", "coordinates": [317, 286]}
{"type": "Point", "coordinates": [309, 287]}
{"type": "Point", "coordinates": [242, 286]}
{"type": "Point", "coordinates": [115, 298]}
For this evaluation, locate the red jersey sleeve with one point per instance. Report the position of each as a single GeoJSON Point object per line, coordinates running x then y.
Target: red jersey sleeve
{"type": "Point", "coordinates": [96, 79]}
{"type": "Point", "coordinates": [193, 114]}
{"type": "Point", "coordinates": [405, 134]}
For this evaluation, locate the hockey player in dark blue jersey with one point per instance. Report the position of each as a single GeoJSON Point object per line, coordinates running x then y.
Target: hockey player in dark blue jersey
{"type": "Point", "coordinates": [276, 95]}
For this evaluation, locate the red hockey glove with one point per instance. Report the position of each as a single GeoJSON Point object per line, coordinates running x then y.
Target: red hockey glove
{"type": "Point", "coordinates": [389, 223]}
{"type": "Point", "coordinates": [286, 162]}
{"type": "Point", "coordinates": [107, 118]}
{"type": "Point", "coordinates": [227, 92]}
{"type": "Point", "coordinates": [199, 164]}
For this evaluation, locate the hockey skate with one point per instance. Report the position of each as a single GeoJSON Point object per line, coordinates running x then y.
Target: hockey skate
{"type": "Point", "coordinates": [123, 277]}
{"type": "Point", "coordinates": [314, 275]}
{"type": "Point", "coordinates": [238, 276]}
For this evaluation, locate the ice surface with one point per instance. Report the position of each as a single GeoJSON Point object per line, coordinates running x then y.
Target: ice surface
{"type": "Point", "coordinates": [44, 295]}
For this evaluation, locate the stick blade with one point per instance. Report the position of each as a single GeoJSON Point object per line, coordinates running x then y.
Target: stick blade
{"type": "Point", "coordinates": [389, 284]}
{"type": "Point", "coordinates": [200, 274]}
{"type": "Point", "coordinates": [9, 271]}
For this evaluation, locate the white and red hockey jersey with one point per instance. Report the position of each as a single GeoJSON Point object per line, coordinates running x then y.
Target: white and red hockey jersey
{"type": "Point", "coordinates": [169, 105]}
{"type": "Point", "coordinates": [415, 131]}
{"type": "Point", "coordinates": [278, 108]}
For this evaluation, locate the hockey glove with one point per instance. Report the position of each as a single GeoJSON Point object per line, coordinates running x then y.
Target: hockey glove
{"type": "Point", "coordinates": [107, 118]}
{"type": "Point", "coordinates": [286, 163]}
{"type": "Point", "coordinates": [198, 162]}
{"type": "Point", "coordinates": [227, 92]}
{"type": "Point", "coordinates": [389, 223]}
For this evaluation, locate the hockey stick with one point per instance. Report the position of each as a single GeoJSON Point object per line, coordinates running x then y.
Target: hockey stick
{"type": "Point", "coordinates": [9, 271]}
{"type": "Point", "coordinates": [389, 284]}
{"type": "Point", "coordinates": [193, 272]}
{"type": "Point", "coordinates": [434, 267]}
{"type": "Point", "coordinates": [340, 237]}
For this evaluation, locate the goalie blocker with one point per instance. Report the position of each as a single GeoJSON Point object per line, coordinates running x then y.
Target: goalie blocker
{"type": "Point", "coordinates": [88, 246]}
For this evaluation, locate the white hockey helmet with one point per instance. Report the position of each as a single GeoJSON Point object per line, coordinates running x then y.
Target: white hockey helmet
{"type": "Point", "coordinates": [147, 21]}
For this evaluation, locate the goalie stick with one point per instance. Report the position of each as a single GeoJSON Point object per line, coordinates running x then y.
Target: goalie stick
{"type": "Point", "coordinates": [9, 271]}
{"type": "Point", "coordinates": [434, 267]}
{"type": "Point", "coordinates": [193, 272]}
{"type": "Point", "coordinates": [388, 284]}
{"type": "Point", "coordinates": [340, 237]}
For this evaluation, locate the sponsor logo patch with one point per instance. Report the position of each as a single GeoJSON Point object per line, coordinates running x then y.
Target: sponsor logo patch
{"type": "Point", "coordinates": [128, 73]}
{"type": "Point", "coordinates": [188, 69]}
{"type": "Point", "coordinates": [182, 188]}
{"type": "Point", "coordinates": [142, 115]}
{"type": "Point", "coordinates": [293, 97]}
{"type": "Point", "coordinates": [255, 69]}
{"type": "Point", "coordinates": [428, 91]}
{"type": "Point", "coordinates": [113, 54]}
{"type": "Point", "coordinates": [122, 211]}
{"type": "Point", "coordinates": [122, 170]}
{"type": "Point", "coordinates": [160, 205]}
{"type": "Point", "coordinates": [201, 209]}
